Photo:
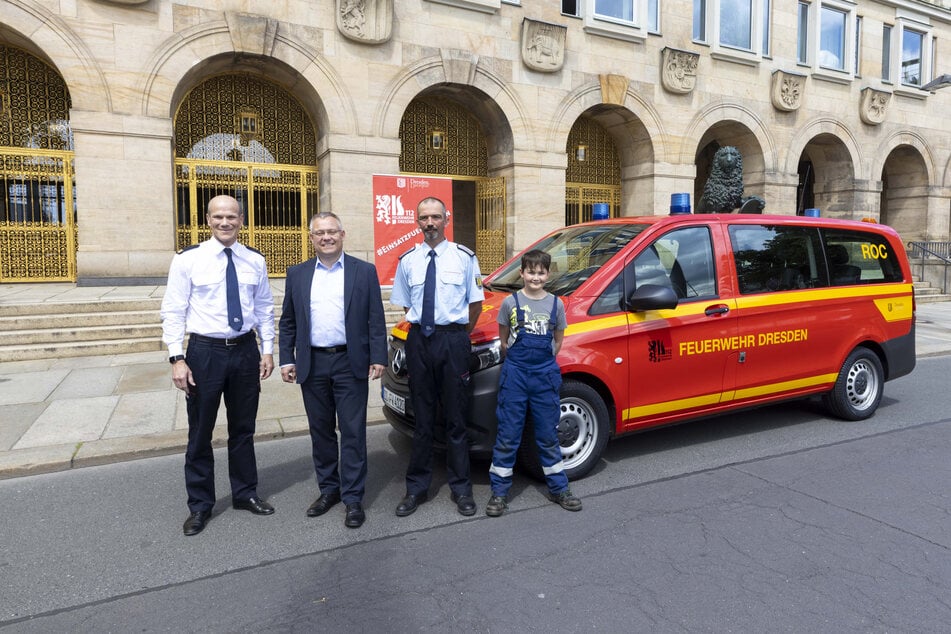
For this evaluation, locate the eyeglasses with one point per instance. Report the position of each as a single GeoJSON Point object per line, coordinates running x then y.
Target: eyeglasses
{"type": "Point", "coordinates": [329, 232]}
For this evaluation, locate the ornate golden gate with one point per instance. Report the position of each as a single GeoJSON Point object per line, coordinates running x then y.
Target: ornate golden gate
{"type": "Point", "coordinates": [243, 136]}
{"type": "Point", "coordinates": [37, 204]}
{"type": "Point", "coordinates": [594, 172]}
{"type": "Point", "coordinates": [439, 137]}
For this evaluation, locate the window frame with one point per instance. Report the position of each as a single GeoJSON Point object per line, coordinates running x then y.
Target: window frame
{"type": "Point", "coordinates": [906, 21]}
{"type": "Point", "coordinates": [708, 31]}
{"type": "Point", "coordinates": [811, 40]}
{"type": "Point", "coordinates": [633, 30]}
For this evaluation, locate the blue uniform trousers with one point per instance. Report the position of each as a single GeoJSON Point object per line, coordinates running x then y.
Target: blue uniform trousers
{"type": "Point", "coordinates": [439, 381]}
{"type": "Point", "coordinates": [233, 372]}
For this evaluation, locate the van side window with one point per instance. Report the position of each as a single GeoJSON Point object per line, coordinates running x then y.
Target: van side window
{"type": "Point", "coordinates": [681, 259]}
{"type": "Point", "coordinates": [857, 257]}
{"type": "Point", "coordinates": [773, 258]}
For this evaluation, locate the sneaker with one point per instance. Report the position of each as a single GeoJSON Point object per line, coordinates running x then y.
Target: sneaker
{"type": "Point", "coordinates": [566, 500]}
{"type": "Point", "coordinates": [496, 506]}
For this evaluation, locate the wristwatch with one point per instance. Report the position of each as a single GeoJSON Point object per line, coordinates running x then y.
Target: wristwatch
{"type": "Point", "coordinates": [176, 358]}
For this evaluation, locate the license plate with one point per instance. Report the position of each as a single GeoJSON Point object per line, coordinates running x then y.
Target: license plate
{"type": "Point", "coordinates": [395, 402]}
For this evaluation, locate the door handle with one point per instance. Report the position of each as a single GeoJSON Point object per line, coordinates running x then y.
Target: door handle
{"type": "Point", "coordinates": [716, 311]}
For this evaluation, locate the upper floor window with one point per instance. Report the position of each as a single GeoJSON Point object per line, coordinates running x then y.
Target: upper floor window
{"type": "Point", "coordinates": [622, 19]}
{"type": "Point", "coordinates": [828, 35]}
{"type": "Point", "coordinates": [912, 45]}
{"type": "Point", "coordinates": [569, 7]}
{"type": "Point", "coordinates": [907, 47]}
{"type": "Point", "coordinates": [738, 25]}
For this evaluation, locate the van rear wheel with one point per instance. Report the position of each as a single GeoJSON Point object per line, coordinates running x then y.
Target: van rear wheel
{"type": "Point", "coordinates": [583, 430]}
{"type": "Point", "coordinates": [858, 388]}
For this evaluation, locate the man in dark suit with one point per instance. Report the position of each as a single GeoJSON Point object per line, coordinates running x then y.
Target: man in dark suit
{"type": "Point", "coordinates": [332, 342]}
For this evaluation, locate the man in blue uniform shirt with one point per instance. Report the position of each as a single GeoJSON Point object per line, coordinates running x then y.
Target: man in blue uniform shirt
{"type": "Point", "coordinates": [218, 291]}
{"type": "Point", "coordinates": [439, 285]}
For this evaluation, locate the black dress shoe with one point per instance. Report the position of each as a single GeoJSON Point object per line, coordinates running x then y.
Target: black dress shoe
{"type": "Point", "coordinates": [355, 516]}
{"type": "Point", "coordinates": [410, 503]}
{"type": "Point", "coordinates": [255, 505]}
{"type": "Point", "coordinates": [196, 522]}
{"type": "Point", "coordinates": [465, 503]}
{"type": "Point", "coordinates": [322, 504]}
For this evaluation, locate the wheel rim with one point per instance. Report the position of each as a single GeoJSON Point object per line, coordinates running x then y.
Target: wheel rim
{"type": "Point", "coordinates": [862, 385]}
{"type": "Point", "coordinates": [577, 431]}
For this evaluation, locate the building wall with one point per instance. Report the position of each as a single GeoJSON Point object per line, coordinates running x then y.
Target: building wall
{"type": "Point", "coordinates": [129, 64]}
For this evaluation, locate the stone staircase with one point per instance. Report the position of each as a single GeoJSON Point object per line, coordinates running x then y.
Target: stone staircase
{"type": "Point", "coordinates": [51, 330]}
{"type": "Point", "coordinates": [925, 293]}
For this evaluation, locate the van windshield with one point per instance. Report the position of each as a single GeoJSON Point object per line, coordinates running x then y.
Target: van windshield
{"type": "Point", "coordinates": [576, 253]}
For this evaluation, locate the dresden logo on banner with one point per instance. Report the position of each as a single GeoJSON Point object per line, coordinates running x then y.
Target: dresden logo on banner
{"type": "Point", "coordinates": [394, 216]}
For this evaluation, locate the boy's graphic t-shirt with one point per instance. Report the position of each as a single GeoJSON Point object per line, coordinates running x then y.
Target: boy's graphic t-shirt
{"type": "Point", "coordinates": [536, 313]}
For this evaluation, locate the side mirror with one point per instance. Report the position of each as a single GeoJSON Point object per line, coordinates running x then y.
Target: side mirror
{"type": "Point", "coordinates": [651, 297]}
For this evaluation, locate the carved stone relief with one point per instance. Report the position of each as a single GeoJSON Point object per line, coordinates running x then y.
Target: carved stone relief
{"type": "Point", "coordinates": [543, 45]}
{"type": "Point", "coordinates": [678, 70]}
{"type": "Point", "coordinates": [874, 105]}
{"type": "Point", "coordinates": [786, 90]}
{"type": "Point", "coordinates": [367, 21]}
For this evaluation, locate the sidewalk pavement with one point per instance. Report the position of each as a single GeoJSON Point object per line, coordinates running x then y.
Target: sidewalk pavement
{"type": "Point", "coordinates": [58, 414]}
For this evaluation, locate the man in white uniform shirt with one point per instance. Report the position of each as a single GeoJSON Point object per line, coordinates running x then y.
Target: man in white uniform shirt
{"type": "Point", "coordinates": [218, 292]}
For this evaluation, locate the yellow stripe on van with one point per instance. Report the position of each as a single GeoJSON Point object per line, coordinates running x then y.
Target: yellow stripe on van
{"type": "Point", "coordinates": [898, 293]}
{"type": "Point", "coordinates": [894, 308]}
{"type": "Point", "coordinates": [668, 407]}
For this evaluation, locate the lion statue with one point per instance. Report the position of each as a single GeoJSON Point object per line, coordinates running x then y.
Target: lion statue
{"type": "Point", "coordinates": [723, 191]}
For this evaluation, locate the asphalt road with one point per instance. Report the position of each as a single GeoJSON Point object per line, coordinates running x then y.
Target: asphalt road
{"type": "Point", "coordinates": [775, 520]}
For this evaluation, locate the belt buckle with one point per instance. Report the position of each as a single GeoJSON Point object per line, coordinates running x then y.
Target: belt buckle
{"type": "Point", "coordinates": [231, 342]}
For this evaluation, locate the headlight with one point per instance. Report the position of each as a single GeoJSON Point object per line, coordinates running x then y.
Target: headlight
{"type": "Point", "coordinates": [486, 355]}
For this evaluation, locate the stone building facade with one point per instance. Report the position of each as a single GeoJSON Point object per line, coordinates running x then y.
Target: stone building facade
{"type": "Point", "coordinates": [119, 118]}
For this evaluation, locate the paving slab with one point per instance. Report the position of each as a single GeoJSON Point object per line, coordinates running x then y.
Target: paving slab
{"type": "Point", "coordinates": [29, 387]}
{"type": "Point", "coordinates": [87, 382]}
{"type": "Point", "coordinates": [142, 413]}
{"type": "Point", "coordinates": [15, 420]}
{"type": "Point", "coordinates": [70, 420]}
{"type": "Point", "coordinates": [145, 377]}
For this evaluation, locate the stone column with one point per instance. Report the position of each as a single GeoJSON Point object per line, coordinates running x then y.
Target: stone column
{"type": "Point", "coordinates": [535, 187]}
{"type": "Point", "coordinates": [125, 198]}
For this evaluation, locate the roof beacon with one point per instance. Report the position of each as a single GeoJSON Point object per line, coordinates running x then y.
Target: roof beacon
{"type": "Point", "coordinates": [679, 204]}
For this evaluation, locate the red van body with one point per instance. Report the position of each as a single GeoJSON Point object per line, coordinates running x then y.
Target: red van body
{"type": "Point", "coordinates": [679, 317]}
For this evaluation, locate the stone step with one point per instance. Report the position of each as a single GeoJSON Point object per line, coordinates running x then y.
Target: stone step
{"type": "Point", "coordinates": [74, 307]}
{"type": "Point", "coordinates": [30, 352]}
{"type": "Point", "coordinates": [932, 298]}
{"type": "Point", "coordinates": [78, 320]}
{"type": "Point", "coordinates": [81, 333]}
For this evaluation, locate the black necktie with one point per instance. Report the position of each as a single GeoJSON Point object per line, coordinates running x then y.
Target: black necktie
{"type": "Point", "coordinates": [235, 318]}
{"type": "Point", "coordinates": [428, 319]}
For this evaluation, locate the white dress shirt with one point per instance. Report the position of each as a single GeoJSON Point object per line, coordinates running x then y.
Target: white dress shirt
{"type": "Point", "coordinates": [327, 325]}
{"type": "Point", "coordinates": [195, 298]}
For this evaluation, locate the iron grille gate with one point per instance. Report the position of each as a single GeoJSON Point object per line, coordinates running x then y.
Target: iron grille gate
{"type": "Point", "coordinates": [277, 201]}
{"type": "Point", "coordinates": [37, 216]}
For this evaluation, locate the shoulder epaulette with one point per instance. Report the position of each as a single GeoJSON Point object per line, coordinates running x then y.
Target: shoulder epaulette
{"type": "Point", "coordinates": [465, 249]}
{"type": "Point", "coordinates": [189, 248]}
{"type": "Point", "coordinates": [407, 253]}
{"type": "Point", "coordinates": [255, 250]}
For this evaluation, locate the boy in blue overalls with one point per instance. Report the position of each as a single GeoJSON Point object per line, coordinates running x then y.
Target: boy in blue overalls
{"type": "Point", "coordinates": [531, 326]}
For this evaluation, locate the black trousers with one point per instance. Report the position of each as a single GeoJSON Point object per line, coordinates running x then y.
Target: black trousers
{"type": "Point", "coordinates": [439, 376]}
{"type": "Point", "coordinates": [232, 372]}
{"type": "Point", "coordinates": [334, 397]}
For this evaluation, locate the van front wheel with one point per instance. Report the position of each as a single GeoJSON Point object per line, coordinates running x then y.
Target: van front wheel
{"type": "Point", "coordinates": [583, 430]}
{"type": "Point", "coordinates": [858, 388]}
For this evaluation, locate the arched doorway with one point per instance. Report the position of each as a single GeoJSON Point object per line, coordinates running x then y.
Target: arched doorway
{"type": "Point", "coordinates": [826, 177]}
{"type": "Point", "coordinates": [440, 137]}
{"type": "Point", "coordinates": [594, 171]}
{"type": "Point", "coordinates": [904, 197]}
{"type": "Point", "coordinates": [735, 134]}
{"type": "Point", "coordinates": [38, 203]}
{"type": "Point", "coordinates": [242, 135]}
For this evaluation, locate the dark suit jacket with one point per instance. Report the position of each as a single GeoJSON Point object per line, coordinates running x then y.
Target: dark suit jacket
{"type": "Point", "coordinates": [363, 314]}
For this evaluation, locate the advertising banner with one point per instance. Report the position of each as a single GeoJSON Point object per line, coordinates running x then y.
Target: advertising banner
{"type": "Point", "coordinates": [394, 216]}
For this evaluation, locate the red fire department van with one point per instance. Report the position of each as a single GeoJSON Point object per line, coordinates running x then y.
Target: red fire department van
{"type": "Point", "coordinates": [673, 318]}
